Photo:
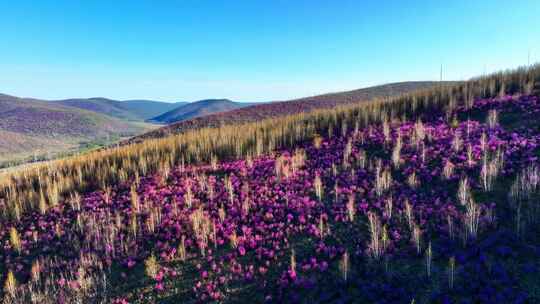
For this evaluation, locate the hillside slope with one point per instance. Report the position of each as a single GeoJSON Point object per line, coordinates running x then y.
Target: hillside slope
{"type": "Point", "coordinates": [391, 209]}
{"type": "Point", "coordinates": [30, 125]}
{"type": "Point", "coordinates": [198, 109]}
{"type": "Point", "coordinates": [280, 108]}
{"type": "Point", "coordinates": [137, 110]}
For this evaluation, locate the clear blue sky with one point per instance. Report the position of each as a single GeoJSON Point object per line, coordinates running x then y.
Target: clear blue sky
{"type": "Point", "coordinates": [253, 50]}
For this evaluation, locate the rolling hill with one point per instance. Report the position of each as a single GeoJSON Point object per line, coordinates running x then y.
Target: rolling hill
{"type": "Point", "coordinates": [29, 126]}
{"type": "Point", "coordinates": [198, 109]}
{"type": "Point", "coordinates": [280, 108]}
{"type": "Point", "coordinates": [135, 110]}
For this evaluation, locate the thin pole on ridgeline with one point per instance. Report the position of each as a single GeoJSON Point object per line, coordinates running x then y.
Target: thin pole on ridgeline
{"type": "Point", "coordinates": [529, 58]}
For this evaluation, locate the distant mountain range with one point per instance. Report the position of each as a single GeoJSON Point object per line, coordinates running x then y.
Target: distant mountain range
{"type": "Point", "coordinates": [31, 128]}
{"type": "Point", "coordinates": [136, 110]}
{"type": "Point", "coordinates": [198, 109]}
{"type": "Point", "coordinates": [36, 117]}
{"type": "Point", "coordinates": [152, 111]}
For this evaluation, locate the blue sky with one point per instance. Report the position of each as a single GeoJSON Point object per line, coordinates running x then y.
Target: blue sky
{"type": "Point", "coordinates": [253, 50]}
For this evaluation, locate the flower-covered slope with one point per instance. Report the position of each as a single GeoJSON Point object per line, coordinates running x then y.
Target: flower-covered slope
{"type": "Point", "coordinates": [435, 211]}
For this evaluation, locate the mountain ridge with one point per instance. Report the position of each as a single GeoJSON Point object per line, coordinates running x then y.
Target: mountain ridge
{"type": "Point", "coordinates": [197, 109]}
{"type": "Point", "coordinates": [135, 110]}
